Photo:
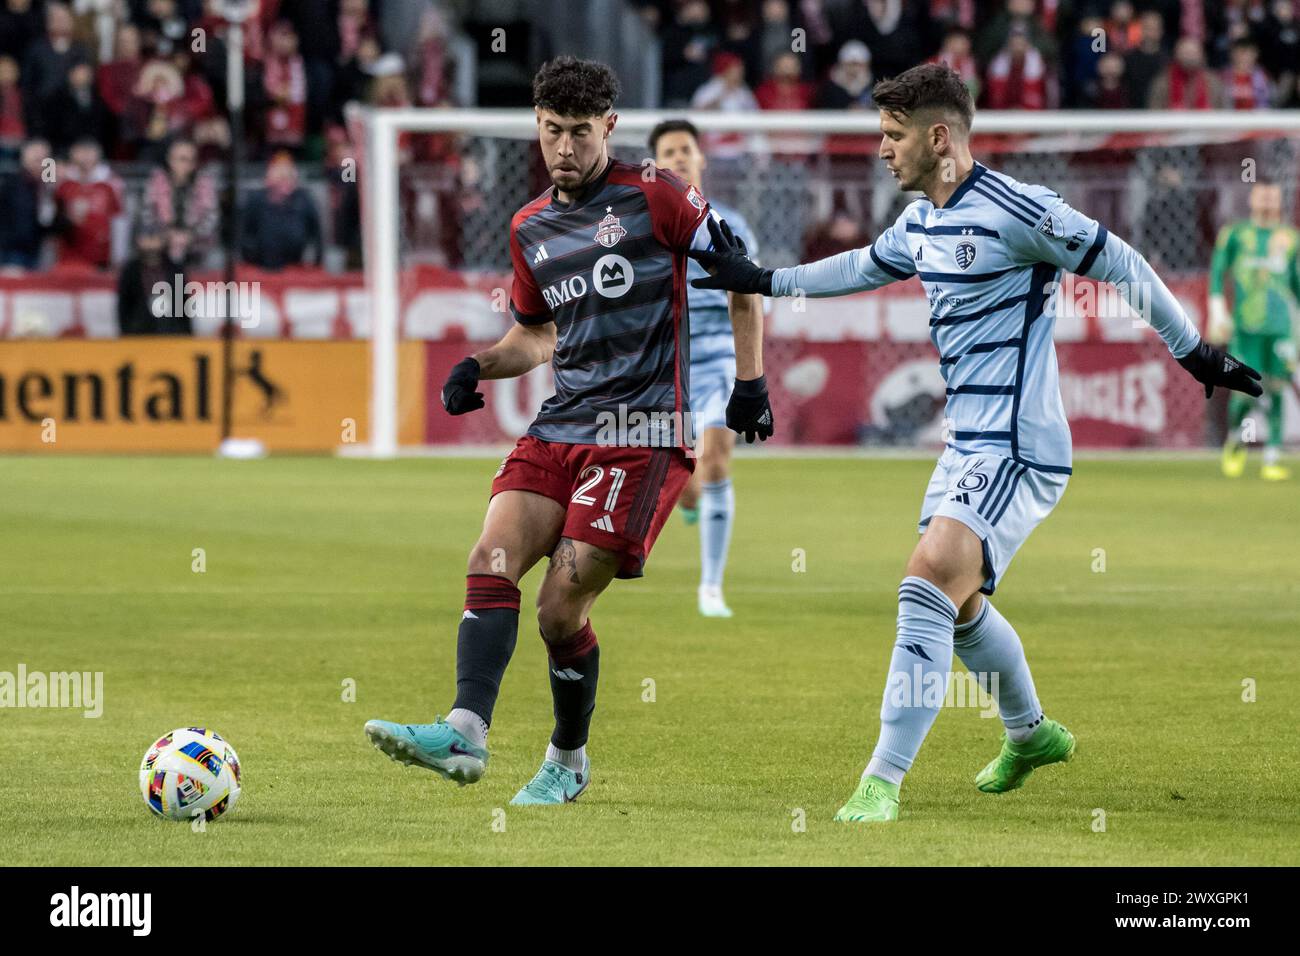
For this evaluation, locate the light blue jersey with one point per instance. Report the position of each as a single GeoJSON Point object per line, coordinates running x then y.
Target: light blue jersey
{"type": "Point", "coordinates": [989, 260]}
{"type": "Point", "coordinates": [711, 335]}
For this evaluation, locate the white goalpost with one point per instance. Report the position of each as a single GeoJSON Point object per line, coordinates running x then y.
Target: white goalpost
{"type": "Point", "coordinates": [1126, 138]}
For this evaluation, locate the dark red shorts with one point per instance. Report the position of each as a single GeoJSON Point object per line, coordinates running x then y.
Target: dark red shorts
{"type": "Point", "coordinates": [614, 497]}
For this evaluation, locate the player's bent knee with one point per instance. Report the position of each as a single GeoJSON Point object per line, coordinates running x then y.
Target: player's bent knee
{"type": "Point", "coordinates": [485, 558]}
{"type": "Point", "coordinates": [558, 620]}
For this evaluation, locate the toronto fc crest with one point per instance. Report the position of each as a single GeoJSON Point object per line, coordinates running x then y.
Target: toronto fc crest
{"type": "Point", "coordinates": [609, 232]}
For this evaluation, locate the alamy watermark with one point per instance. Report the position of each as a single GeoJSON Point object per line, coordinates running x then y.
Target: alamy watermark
{"type": "Point", "coordinates": [215, 300]}
{"type": "Point", "coordinates": [922, 688]}
{"type": "Point", "coordinates": [82, 690]}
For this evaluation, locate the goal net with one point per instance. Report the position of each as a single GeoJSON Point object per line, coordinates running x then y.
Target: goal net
{"type": "Point", "coordinates": [440, 188]}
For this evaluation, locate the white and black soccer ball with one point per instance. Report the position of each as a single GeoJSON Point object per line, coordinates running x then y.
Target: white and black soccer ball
{"type": "Point", "coordinates": [188, 773]}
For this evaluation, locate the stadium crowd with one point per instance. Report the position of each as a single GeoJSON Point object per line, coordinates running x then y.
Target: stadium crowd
{"type": "Point", "coordinates": [134, 89]}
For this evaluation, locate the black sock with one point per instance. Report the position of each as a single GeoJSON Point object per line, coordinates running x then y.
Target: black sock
{"type": "Point", "coordinates": [485, 642]}
{"type": "Point", "coordinates": [575, 668]}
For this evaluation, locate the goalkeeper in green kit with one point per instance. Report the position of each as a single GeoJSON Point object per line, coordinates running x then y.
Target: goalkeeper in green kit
{"type": "Point", "coordinates": [1262, 256]}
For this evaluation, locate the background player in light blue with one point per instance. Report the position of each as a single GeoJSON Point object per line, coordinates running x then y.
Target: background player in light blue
{"type": "Point", "coordinates": [709, 497]}
{"type": "Point", "coordinates": [989, 252]}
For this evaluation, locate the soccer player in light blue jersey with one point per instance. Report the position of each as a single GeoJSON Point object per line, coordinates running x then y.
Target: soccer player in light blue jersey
{"type": "Point", "coordinates": [709, 497]}
{"type": "Point", "coordinates": [989, 252]}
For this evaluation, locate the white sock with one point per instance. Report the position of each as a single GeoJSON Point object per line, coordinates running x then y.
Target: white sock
{"type": "Point", "coordinates": [470, 724]}
{"type": "Point", "coordinates": [885, 771]}
{"type": "Point", "coordinates": [988, 645]}
{"type": "Point", "coordinates": [1271, 453]}
{"type": "Point", "coordinates": [575, 760]}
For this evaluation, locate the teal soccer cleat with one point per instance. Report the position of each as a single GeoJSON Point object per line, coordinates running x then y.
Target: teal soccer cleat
{"type": "Point", "coordinates": [439, 747]}
{"type": "Point", "coordinates": [554, 783]}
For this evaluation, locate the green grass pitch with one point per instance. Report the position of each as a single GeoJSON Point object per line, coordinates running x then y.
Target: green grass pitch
{"type": "Point", "coordinates": [320, 571]}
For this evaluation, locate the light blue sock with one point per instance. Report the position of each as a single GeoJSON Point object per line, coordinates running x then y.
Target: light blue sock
{"type": "Point", "coordinates": [918, 677]}
{"type": "Point", "coordinates": [989, 645]}
{"type": "Point", "coordinates": [717, 511]}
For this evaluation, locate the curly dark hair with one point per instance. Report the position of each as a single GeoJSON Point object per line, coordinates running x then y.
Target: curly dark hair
{"type": "Point", "coordinates": [573, 87]}
{"type": "Point", "coordinates": [930, 86]}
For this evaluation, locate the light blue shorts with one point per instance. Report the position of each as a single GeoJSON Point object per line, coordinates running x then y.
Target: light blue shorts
{"type": "Point", "coordinates": [1000, 500]}
{"type": "Point", "coordinates": [711, 383]}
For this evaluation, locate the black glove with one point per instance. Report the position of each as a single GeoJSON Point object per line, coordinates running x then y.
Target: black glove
{"type": "Point", "coordinates": [748, 411]}
{"type": "Point", "coordinates": [1213, 366]}
{"type": "Point", "coordinates": [730, 264]}
{"type": "Point", "coordinates": [459, 395]}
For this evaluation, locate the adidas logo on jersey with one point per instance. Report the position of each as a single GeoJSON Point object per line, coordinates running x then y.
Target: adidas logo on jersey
{"type": "Point", "coordinates": [542, 254]}
{"type": "Point", "coordinates": [604, 524]}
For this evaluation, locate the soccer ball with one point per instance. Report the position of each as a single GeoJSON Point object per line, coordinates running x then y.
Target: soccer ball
{"type": "Point", "coordinates": [188, 773]}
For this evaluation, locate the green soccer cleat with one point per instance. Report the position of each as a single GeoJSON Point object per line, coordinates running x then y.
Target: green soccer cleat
{"type": "Point", "coordinates": [1051, 743]}
{"type": "Point", "coordinates": [554, 783]}
{"type": "Point", "coordinates": [875, 801]}
{"type": "Point", "coordinates": [438, 746]}
{"type": "Point", "coordinates": [1234, 460]}
{"type": "Point", "coordinates": [690, 515]}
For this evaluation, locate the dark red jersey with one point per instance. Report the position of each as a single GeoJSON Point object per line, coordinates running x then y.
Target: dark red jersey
{"type": "Point", "coordinates": [609, 269]}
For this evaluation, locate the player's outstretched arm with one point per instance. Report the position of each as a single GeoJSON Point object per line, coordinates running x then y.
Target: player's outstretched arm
{"type": "Point", "coordinates": [520, 350]}
{"type": "Point", "coordinates": [1119, 263]}
{"type": "Point", "coordinates": [858, 270]}
{"type": "Point", "coordinates": [1066, 238]}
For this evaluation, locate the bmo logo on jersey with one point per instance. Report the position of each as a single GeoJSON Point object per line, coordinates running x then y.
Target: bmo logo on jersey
{"type": "Point", "coordinates": [611, 276]}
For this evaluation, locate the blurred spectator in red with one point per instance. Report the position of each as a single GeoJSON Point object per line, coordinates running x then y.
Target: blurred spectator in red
{"type": "Point", "coordinates": [955, 53]}
{"type": "Point", "coordinates": [1280, 52]}
{"type": "Point", "coordinates": [140, 311]}
{"type": "Point", "coordinates": [27, 199]}
{"type": "Point", "coordinates": [687, 44]}
{"type": "Point", "coordinates": [728, 93]}
{"type": "Point", "coordinates": [284, 80]}
{"type": "Point", "coordinates": [1147, 60]}
{"type": "Point", "coordinates": [1107, 91]}
{"type": "Point", "coordinates": [840, 233]}
{"type": "Point", "coordinates": [727, 90]}
{"type": "Point", "coordinates": [848, 85]}
{"type": "Point", "coordinates": [280, 223]}
{"type": "Point", "coordinates": [181, 199]}
{"type": "Point", "coordinates": [1186, 84]}
{"type": "Point", "coordinates": [49, 59]}
{"type": "Point", "coordinates": [166, 27]}
{"type": "Point", "coordinates": [20, 25]}
{"type": "Point", "coordinates": [1245, 83]}
{"type": "Point", "coordinates": [784, 89]}
{"type": "Point", "coordinates": [13, 127]}
{"type": "Point", "coordinates": [89, 199]}
{"type": "Point", "coordinates": [77, 111]}
{"type": "Point", "coordinates": [993, 37]}
{"type": "Point", "coordinates": [199, 101]}
{"type": "Point", "coordinates": [117, 78]}
{"type": "Point", "coordinates": [1018, 77]}
{"type": "Point", "coordinates": [1123, 30]}
{"type": "Point", "coordinates": [429, 70]}
{"type": "Point", "coordinates": [158, 110]}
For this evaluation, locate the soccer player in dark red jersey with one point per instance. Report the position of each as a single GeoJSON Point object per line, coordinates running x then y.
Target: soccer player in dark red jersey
{"type": "Point", "coordinates": [599, 292]}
